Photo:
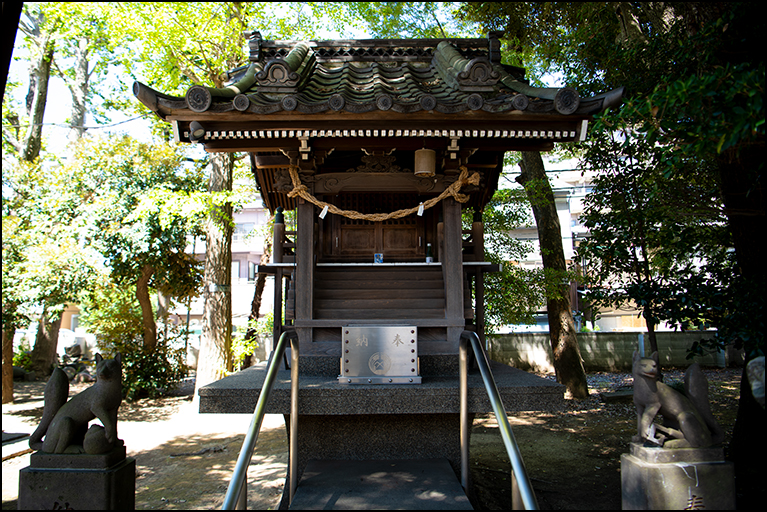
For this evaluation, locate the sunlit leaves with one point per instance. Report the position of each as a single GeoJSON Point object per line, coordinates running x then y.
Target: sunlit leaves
{"type": "Point", "coordinates": [128, 223]}
{"type": "Point", "coordinates": [395, 20]}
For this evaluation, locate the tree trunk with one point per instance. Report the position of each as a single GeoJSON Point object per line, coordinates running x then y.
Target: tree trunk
{"type": "Point", "coordinates": [79, 90]}
{"type": "Point", "coordinates": [39, 75]}
{"type": "Point", "coordinates": [747, 446]}
{"type": "Point", "coordinates": [147, 314]}
{"type": "Point", "coordinates": [43, 356]}
{"type": "Point", "coordinates": [163, 312]}
{"type": "Point", "coordinates": [651, 337]}
{"type": "Point", "coordinates": [8, 335]}
{"type": "Point", "coordinates": [215, 346]}
{"type": "Point", "coordinates": [564, 343]}
{"type": "Point", "coordinates": [742, 186]}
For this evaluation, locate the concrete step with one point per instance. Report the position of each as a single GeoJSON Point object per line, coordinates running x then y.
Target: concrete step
{"type": "Point", "coordinates": [416, 484]}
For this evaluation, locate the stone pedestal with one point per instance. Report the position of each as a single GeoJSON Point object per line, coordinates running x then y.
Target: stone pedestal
{"type": "Point", "coordinates": [84, 482]}
{"type": "Point", "coordinates": [654, 478]}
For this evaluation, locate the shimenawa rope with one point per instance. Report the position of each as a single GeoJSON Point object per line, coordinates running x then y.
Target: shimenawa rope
{"type": "Point", "coordinates": [302, 191]}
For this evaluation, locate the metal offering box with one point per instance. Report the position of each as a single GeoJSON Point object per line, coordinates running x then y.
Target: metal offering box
{"type": "Point", "coordinates": [379, 354]}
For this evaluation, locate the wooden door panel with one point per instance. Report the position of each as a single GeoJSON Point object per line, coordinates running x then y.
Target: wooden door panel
{"type": "Point", "coordinates": [357, 239]}
{"type": "Point", "coordinates": [400, 239]}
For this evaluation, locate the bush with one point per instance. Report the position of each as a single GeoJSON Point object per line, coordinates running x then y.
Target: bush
{"type": "Point", "coordinates": [22, 358]}
{"type": "Point", "coordinates": [151, 374]}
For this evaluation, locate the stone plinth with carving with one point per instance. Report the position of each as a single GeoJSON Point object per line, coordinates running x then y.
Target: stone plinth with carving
{"type": "Point", "coordinates": [654, 478]}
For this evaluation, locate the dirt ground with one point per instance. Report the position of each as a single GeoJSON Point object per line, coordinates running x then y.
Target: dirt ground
{"type": "Point", "coordinates": [185, 460]}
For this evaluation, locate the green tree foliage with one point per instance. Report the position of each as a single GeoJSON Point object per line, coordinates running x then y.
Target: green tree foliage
{"type": "Point", "coordinates": [22, 127]}
{"type": "Point", "coordinates": [174, 45]}
{"type": "Point", "coordinates": [143, 247]}
{"type": "Point", "coordinates": [114, 313]}
{"type": "Point", "coordinates": [62, 220]}
{"type": "Point", "coordinates": [179, 45]}
{"type": "Point", "coordinates": [45, 275]}
{"type": "Point", "coordinates": [694, 90]}
{"type": "Point", "coordinates": [68, 40]}
{"type": "Point", "coordinates": [44, 263]}
{"type": "Point", "coordinates": [111, 311]}
{"type": "Point", "coordinates": [84, 50]}
{"type": "Point", "coordinates": [393, 20]}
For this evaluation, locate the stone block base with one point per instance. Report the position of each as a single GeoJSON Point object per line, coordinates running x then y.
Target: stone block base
{"type": "Point", "coordinates": [676, 479]}
{"type": "Point", "coordinates": [112, 488]}
{"type": "Point", "coordinates": [378, 437]}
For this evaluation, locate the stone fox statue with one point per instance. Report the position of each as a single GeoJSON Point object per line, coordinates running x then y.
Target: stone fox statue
{"type": "Point", "coordinates": [687, 417]}
{"type": "Point", "coordinates": [65, 424]}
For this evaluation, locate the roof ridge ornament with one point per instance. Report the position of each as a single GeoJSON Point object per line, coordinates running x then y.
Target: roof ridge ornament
{"type": "Point", "coordinates": [277, 76]}
{"type": "Point", "coordinates": [284, 74]}
{"type": "Point", "coordinates": [477, 73]}
{"type": "Point", "coordinates": [468, 75]}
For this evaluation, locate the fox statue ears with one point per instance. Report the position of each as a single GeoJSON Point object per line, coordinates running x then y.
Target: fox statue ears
{"type": "Point", "coordinates": [118, 358]}
{"type": "Point", "coordinates": [654, 356]}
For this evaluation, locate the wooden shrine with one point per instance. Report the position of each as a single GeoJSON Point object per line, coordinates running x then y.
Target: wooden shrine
{"type": "Point", "coordinates": [379, 145]}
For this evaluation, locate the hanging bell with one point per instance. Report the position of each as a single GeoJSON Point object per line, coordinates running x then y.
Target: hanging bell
{"type": "Point", "coordinates": [425, 163]}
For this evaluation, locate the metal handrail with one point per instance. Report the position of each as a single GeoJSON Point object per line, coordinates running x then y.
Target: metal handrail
{"type": "Point", "coordinates": [236, 494]}
{"type": "Point", "coordinates": [522, 490]}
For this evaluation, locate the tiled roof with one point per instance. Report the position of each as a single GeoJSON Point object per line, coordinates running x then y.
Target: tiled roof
{"type": "Point", "coordinates": [405, 76]}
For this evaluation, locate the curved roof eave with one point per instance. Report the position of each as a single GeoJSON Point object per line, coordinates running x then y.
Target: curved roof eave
{"type": "Point", "coordinates": [165, 105]}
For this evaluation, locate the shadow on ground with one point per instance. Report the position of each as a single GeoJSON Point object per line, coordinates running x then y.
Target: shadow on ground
{"type": "Point", "coordinates": [197, 470]}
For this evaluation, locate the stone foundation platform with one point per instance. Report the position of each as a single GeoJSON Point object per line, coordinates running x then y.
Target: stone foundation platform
{"type": "Point", "coordinates": [378, 422]}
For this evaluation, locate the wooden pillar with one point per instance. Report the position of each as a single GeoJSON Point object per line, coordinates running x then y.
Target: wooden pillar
{"type": "Point", "coordinates": [452, 269]}
{"type": "Point", "coordinates": [478, 235]}
{"type": "Point", "coordinates": [440, 239]}
{"type": "Point", "coordinates": [304, 283]}
{"type": "Point", "coordinates": [279, 236]}
{"type": "Point", "coordinates": [277, 257]}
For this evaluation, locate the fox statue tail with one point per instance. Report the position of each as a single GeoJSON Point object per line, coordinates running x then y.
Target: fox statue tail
{"type": "Point", "coordinates": [56, 395]}
{"type": "Point", "coordinates": [696, 389]}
